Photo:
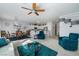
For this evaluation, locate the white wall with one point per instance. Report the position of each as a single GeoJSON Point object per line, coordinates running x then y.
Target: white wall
{"type": "Point", "coordinates": [64, 29]}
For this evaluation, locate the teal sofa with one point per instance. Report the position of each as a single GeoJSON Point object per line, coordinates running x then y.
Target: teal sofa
{"type": "Point", "coordinates": [69, 43]}
{"type": "Point", "coordinates": [41, 35]}
{"type": "Point", "coordinates": [35, 49]}
{"type": "Point", "coordinates": [3, 42]}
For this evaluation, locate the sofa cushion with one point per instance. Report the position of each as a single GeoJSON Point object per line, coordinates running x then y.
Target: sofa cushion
{"type": "Point", "coordinates": [3, 42]}
{"type": "Point", "coordinates": [73, 36]}
{"type": "Point", "coordinates": [45, 51]}
{"type": "Point", "coordinates": [24, 50]}
{"type": "Point", "coordinates": [35, 47]}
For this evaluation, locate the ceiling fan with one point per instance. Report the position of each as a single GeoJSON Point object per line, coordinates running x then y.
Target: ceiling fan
{"type": "Point", "coordinates": [34, 9]}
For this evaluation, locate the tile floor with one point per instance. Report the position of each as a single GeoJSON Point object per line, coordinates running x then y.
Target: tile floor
{"type": "Point", "coordinates": [51, 43]}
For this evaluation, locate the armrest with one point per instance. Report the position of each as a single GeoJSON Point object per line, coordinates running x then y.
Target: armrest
{"type": "Point", "coordinates": [7, 50]}
{"type": "Point", "coordinates": [68, 41]}
{"type": "Point", "coordinates": [64, 40]}
{"type": "Point", "coordinates": [63, 37]}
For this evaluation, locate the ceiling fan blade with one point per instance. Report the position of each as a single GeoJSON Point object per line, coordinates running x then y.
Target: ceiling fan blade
{"type": "Point", "coordinates": [40, 10]}
{"type": "Point", "coordinates": [26, 8]}
{"type": "Point", "coordinates": [36, 13]}
{"type": "Point", "coordinates": [34, 5]}
{"type": "Point", "coordinates": [29, 13]}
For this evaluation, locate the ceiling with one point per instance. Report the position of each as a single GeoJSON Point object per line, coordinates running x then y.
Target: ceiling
{"type": "Point", "coordinates": [13, 11]}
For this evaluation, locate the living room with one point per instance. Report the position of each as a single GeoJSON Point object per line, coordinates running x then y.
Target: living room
{"type": "Point", "coordinates": [39, 29]}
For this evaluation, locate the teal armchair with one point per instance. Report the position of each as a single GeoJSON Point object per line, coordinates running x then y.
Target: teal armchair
{"type": "Point", "coordinates": [69, 43]}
